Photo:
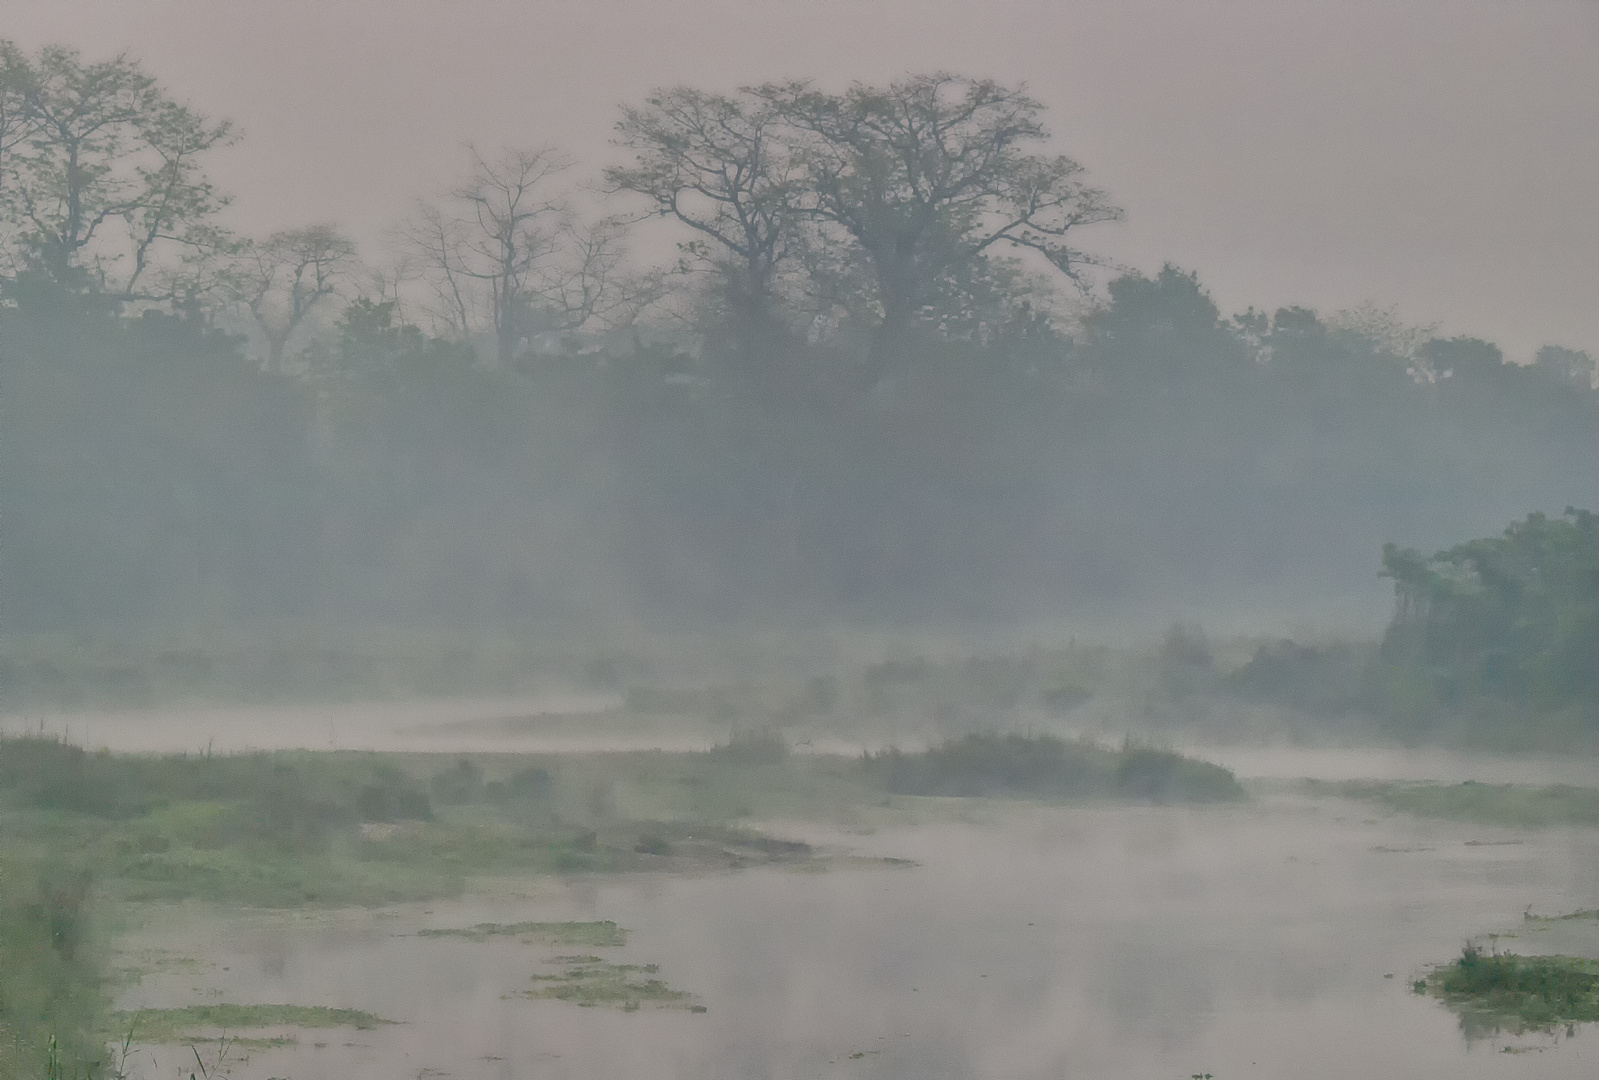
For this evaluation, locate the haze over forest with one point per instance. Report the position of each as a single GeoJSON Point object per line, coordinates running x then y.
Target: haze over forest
{"type": "Point", "coordinates": [917, 540]}
{"type": "Point", "coordinates": [867, 380]}
{"type": "Point", "coordinates": [875, 380]}
{"type": "Point", "coordinates": [1429, 155]}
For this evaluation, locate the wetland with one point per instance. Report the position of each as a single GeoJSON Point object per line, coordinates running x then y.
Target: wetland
{"type": "Point", "coordinates": [990, 905]}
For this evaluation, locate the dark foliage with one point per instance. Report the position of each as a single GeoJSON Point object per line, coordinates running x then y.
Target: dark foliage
{"type": "Point", "coordinates": [1510, 620]}
{"type": "Point", "coordinates": [1045, 766]}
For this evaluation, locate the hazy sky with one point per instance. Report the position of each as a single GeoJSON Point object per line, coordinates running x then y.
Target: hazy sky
{"type": "Point", "coordinates": [1442, 155]}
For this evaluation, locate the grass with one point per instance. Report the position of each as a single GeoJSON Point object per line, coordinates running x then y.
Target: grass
{"type": "Point", "coordinates": [194, 1022]}
{"type": "Point", "coordinates": [283, 830]}
{"type": "Point", "coordinates": [590, 981]}
{"type": "Point", "coordinates": [286, 829]}
{"type": "Point", "coordinates": [1511, 805]}
{"type": "Point", "coordinates": [1506, 992]}
{"type": "Point", "coordinates": [592, 934]}
{"type": "Point", "coordinates": [51, 988]}
{"type": "Point", "coordinates": [293, 828]}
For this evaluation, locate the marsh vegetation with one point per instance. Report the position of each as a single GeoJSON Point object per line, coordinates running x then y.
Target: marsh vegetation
{"type": "Point", "coordinates": [900, 564]}
{"type": "Point", "coordinates": [1504, 991]}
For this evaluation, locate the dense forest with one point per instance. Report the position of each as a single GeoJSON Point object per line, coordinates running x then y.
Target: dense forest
{"type": "Point", "coordinates": [877, 381]}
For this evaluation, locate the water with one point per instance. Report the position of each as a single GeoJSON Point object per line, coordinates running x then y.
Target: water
{"type": "Point", "coordinates": [1105, 942]}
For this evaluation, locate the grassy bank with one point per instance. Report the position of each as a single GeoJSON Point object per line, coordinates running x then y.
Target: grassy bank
{"type": "Point", "coordinates": [282, 829]}
{"type": "Point", "coordinates": [345, 828]}
{"type": "Point", "coordinates": [51, 996]}
{"type": "Point", "coordinates": [1523, 806]}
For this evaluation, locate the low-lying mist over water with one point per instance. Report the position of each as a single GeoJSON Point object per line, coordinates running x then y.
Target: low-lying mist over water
{"type": "Point", "coordinates": [764, 589]}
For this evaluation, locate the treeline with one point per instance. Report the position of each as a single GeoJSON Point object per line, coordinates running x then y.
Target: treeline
{"type": "Point", "coordinates": [1493, 642]}
{"type": "Point", "coordinates": [852, 396]}
{"type": "Point", "coordinates": [1507, 625]}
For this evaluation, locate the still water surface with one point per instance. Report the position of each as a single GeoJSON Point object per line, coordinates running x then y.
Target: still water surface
{"type": "Point", "coordinates": [1095, 942]}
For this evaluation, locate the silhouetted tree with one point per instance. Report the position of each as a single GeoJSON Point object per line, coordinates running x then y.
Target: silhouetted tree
{"type": "Point", "coordinates": [104, 150]}
{"type": "Point", "coordinates": [504, 253]}
{"type": "Point", "coordinates": [930, 173]}
{"type": "Point", "coordinates": [719, 165]}
{"type": "Point", "coordinates": [291, 276]}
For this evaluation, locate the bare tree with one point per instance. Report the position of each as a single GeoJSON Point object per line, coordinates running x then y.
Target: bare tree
{"type": "Point", "coordinates": [505, 255]}
{"type": "Point", "coordinates": [289, 277]}
{"type": "Point", "coordinates": [718, 165]}
{"type": "Point", "coordinates": [930, 173]}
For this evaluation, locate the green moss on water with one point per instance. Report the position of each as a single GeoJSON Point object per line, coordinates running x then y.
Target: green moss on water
{"type": "Point", "coordinates": [590, 981]}
{"type": "Point", "coordinates": [195, 1022]}
{"type": "Point", "coordinates": [593, 934]}
{"type": "Point", "coordinates": [1507, 992]}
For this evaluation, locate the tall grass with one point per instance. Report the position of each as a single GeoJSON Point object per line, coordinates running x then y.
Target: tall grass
{"type": "Point", "coordinates": [51, 1002]}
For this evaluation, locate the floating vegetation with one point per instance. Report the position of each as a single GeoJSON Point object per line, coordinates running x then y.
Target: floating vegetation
{"type": "Point", "coordinates": [192, 1022]}
{"type": "Point", "coordinates": [595, 935]}
{"type": "Point", "coordinates": [1495, 992]}
{"type": "Point", "coordinates": [1586, 913]}
{"type": "Point", "coordinates": [591, 981]}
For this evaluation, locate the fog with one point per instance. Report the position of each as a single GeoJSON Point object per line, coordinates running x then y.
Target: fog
{"type": "Point", "coordinates": [1430, 155]}
{"type": "Point", "coordinates": [744, 540]}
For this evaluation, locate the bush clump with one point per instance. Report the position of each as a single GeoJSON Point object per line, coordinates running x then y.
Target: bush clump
{"type": "Point", "coordinates": [761, 747]}
{"type": "Point", "coordinates": [1046, 766]}
{"type": "Point", "coordinates": [1503, 991]}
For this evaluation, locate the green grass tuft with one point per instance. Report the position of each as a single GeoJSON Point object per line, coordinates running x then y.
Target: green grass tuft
{"type": "Point", "coordinates": [1506, 992]}
{"type": "Point", "coordinates": [593, 934]}
{"type": "Point", "coordinates": [191, 1022]}
{"type": "Point", "coordinates": [590, 981]}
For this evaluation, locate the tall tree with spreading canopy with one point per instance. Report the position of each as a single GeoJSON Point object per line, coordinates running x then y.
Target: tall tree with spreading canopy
{"type": "Point", "coordinates": [287, 279]}
{"type": "Point", "coordinates": [103, 171]}
{"type": "Point", "coordinates": [16, 117]}
{"type": "Point", "coordinates": [929, 174]}
{"type": "Point", "coordinates": [718, 165]}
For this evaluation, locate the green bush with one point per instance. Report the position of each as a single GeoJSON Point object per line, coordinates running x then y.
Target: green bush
{"type": "Point", "coordinates": [1046, 766]}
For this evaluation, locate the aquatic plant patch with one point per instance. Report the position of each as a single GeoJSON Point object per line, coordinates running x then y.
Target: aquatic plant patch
{"type": "Point", "coordinates": [595, 935]}
{"type": "Point", "coordinates": [591, 981]}
{"type": "Point", "coordinates": [1506, 992]}
{"type": "Point", "coordinates": [192, 1022]}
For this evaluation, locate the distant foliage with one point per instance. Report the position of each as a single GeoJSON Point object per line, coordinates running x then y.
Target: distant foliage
{"type": "Point", "coordinates": [856, 396]}
{"type": "Point", "coordinates": [1512, 619]}
{"type": "Point", "coordinates": [1048, 767]}
{"type": "Point", "coordinates": [765, 746]}
{"type": "Point", "coordinates": [289, 801]}
{"type": "Point", "coordinates": [1319, 680]}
